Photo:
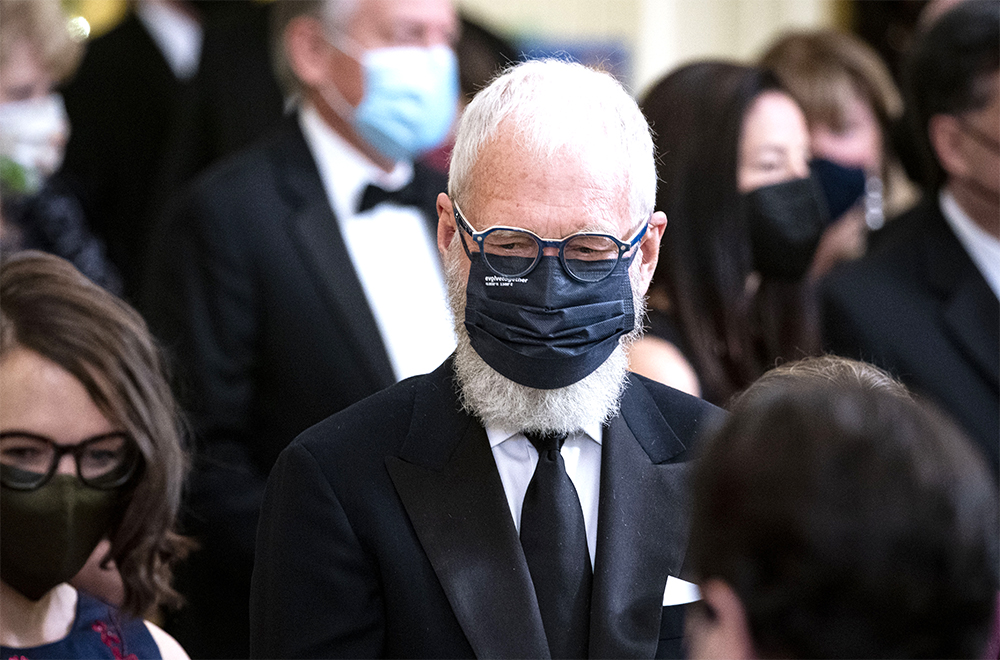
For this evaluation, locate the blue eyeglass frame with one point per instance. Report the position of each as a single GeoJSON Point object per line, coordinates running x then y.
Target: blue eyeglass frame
{"type": "Point", "coordinates": [480, 236]}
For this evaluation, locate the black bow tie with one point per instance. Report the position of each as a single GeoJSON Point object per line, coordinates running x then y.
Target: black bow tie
{"type": "Point", "coordinates": [408, 195]}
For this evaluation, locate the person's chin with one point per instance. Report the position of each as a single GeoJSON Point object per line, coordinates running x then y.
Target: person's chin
{"type": "Point", "coordinates": [500, 402]}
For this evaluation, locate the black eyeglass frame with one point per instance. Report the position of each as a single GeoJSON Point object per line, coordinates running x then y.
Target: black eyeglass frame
{"type": "Point", "coordinates": [480, 236]}
{"type": "Point", "coordinates": [134, 455]}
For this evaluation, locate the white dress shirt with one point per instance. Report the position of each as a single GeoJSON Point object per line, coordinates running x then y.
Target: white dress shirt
{"type": "Point", "coordinates": [392, 249]}
{"type": "Point", "coordinates": [177, 34]}
{"type": "Point", "coordinates": [516, 458]}
{"type": "Point", "coordinates": [982, 248]}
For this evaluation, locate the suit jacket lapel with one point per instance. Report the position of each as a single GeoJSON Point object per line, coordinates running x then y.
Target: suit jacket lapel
{"type": "Point", "coordinates": [447, 479]}
{"type": "Point", "coordinates": [316, 234]}
{"type": "Point", "coordinates": [970, 311]}
{"type": "Point", "coordinates": [642, 528]}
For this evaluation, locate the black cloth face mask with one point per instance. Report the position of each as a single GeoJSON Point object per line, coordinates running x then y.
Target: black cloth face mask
{"type": "Point", "coordinates": [547, 330]}
{"type": "Point", "coordinates": [842, 186]}
{"type": "Point", "coordinates": [49, 532]}
{"type": "Point", "coordinates": [785, 221]}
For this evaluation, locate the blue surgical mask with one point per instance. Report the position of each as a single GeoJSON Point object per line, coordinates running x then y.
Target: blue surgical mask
{"type": "Point", "coordinates": [547, 330]}
{"type": "Point", "coordinates": [409, 102]}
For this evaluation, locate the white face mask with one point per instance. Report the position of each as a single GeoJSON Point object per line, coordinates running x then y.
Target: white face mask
{"type": "Point", "coordinates": [33, 135]}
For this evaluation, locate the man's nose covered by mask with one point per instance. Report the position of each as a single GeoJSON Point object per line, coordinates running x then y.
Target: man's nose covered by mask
{"type": "Point", "coordinates": [547, 330]}
{"type": "Point", "coordinates": [409, 101]}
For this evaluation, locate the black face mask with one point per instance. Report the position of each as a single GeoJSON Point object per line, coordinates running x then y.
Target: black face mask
{"type": "Point", "coordinates": [547, 330]}
{"type": "Point", "coordinates": [49, 532]}
{"type": "Point", "coordinates": [842, 186]}
{"type": "Point", "coordinates": [785, 221]}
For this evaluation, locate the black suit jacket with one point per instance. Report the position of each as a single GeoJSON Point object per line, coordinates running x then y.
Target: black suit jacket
{"type": "Point", "coordinates": [253, 292]}
{"type": "Point", "coordinates": [386, 532]}
{"type": "Point", "coordinates": [121, 105]}
{"type": "Point", "coordinates": [919, 307]}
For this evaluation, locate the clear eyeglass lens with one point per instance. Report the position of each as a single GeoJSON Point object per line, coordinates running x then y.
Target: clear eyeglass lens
{"type": "Point", "coordinates": [105, 462]}
{"type": "Point", "coordinates": [103, 457]}
{"type": "Point", "coordinates": [27, 454]}
{"type": "Point", "coordinates": [590, 257]}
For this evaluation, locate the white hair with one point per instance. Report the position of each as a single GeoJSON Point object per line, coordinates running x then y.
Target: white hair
{"type": "Point", "coordinates": [551, 105]}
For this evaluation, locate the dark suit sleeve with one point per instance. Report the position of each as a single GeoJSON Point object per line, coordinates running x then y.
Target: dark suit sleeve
{"type": "Point", "coordinates": [201, 302]}
{"type": "Point", "coordinates": [315, 594]}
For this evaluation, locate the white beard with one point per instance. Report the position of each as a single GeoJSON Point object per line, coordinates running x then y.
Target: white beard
{"type": "Point", "coordinates": [500, 402]}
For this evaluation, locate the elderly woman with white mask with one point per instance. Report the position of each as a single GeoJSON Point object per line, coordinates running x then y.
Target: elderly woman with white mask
{"type": "Point", "coordinates": [38, 210]}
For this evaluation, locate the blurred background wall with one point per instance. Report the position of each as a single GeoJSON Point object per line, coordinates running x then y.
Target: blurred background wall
{"type": "Point", "coordinates": [639, 40]}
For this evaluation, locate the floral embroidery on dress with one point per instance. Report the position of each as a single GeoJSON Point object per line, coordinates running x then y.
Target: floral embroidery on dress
{"type": "Point", "coordinates": [111, 640]}
{"type": "Point", "coordinates": [17, 657]}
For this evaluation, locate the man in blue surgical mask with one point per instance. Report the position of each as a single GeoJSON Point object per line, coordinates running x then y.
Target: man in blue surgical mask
{"type": "Point", "coordinates": [301, 275]}
{"type": "Point", "coordinates": [526, 498]}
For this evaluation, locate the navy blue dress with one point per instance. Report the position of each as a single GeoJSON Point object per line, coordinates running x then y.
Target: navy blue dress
{"type": "Point", "coordinates": [99, 631]}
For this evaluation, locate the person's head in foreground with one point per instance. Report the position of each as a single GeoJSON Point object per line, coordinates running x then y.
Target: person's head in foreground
{"type": "Point", "coordinates": [835, 516]}
{"type": "Point", "coordinates": [549, 240]}
{"type": "Point", "coordinates": [89, 438]}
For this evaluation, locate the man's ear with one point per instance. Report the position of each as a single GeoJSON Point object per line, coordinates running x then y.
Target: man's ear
{"type": "Point", "coordinates": [446, 224]}
{"type": "Point", "coordinates": [307, 50]}
{"type": "Point", "coordinates": [722, 631]}
{"type": "Point", "coordinates": [946, 138]}
{"type": "Point", "coordinates": [649, 249]}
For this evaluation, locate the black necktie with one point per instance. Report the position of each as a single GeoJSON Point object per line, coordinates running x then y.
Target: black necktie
{"type": "Point", "coordinates": [408, 195]}
{"type": "Point", "coordinates": [554, 539]}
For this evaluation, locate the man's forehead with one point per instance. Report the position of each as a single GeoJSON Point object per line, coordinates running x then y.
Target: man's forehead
{"type": "Point", "coordinates": [571, 189]}
{"type": "Point", "coordinates": [392, 15]}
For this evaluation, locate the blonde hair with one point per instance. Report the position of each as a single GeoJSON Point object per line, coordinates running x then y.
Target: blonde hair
{"type": "Point", "coordinates": [43, 24]}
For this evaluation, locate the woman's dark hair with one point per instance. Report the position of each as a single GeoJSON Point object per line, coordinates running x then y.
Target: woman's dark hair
{"type": "Point", "coordinates": [733, 328]}
{"type": "Point", "coordinates": [850, 519]}
{"type": "Point", "coordinates": [48, 307]}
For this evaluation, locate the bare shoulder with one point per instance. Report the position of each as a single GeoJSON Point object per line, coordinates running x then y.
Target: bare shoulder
{"type": "Point", "coordinates": [169, 648]}
{"type": "Point", "coordinates": [662, 361]}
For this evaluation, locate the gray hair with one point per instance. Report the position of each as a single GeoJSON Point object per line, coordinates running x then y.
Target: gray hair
{"type": "Point", "coordinates": [551, 104]}
{"type": "Point", "coordinates": [333, 14]}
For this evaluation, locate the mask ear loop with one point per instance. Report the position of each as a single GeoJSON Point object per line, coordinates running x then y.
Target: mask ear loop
{"type": "Point", "coordinates": [331, 94]}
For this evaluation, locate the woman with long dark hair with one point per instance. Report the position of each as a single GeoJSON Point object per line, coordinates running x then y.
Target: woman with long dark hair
{"type": "Point", "coordinates": [729, 296]}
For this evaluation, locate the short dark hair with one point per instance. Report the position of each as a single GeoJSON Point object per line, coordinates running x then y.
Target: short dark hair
{"type": "Point", "coordinates": [946, 72]}
{"type": "Point", "coordinates": [50, 308]}
{"type": "Point", "coordinates": [851, 521]}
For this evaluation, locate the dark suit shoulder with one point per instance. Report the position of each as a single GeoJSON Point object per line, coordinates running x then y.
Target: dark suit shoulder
{"type": "Point", "coordinates": [688, 416]}
{"type": "Point", "coordinates": [374, 425]}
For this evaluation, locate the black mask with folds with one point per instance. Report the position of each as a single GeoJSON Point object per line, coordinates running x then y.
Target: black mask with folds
{"type": "Point", "coordinates": [785, 221]}
{"type": "Point", "coordinates": [547, 330]}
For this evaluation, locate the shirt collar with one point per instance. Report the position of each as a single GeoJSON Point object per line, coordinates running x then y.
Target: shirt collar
{"type": "Point", "coordinates": [345, 171]}
{"type": "Point", "coordinates": [498, 435]}
{"type": "Point", "coordinates": [982, 248]}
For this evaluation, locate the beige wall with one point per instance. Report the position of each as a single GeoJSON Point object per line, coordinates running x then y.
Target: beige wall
{"type": "Point", "coordinates": [660, 33]}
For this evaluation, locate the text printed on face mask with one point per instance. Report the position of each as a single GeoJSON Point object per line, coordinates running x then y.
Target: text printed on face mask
{"type": "Point", "coordinates": [495, 280]}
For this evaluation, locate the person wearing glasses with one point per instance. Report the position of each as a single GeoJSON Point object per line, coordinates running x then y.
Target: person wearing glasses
{"type": "Point", "coordinates": [526, 498]}
{"type": "Point", "coordinates": [89, 450]}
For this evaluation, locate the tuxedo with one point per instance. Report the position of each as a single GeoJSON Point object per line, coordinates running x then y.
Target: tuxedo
{"type": "Point", "coordinates": [253, 293]}
{"type": "Point", "coordinates": [121, 105]}
{"type": "Point", "coordinates": [385, 531]}
{"type": "Point", "coordinates": [918, 307]}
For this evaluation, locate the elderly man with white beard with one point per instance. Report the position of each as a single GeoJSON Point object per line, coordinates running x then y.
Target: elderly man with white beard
{"type": "Point", "coordinates": [527, 498]}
